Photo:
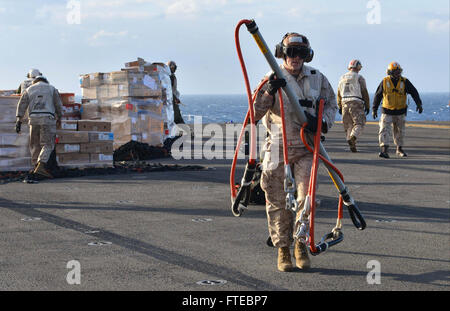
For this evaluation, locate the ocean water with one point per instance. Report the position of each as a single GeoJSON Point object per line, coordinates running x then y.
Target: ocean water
{"type": "Point", "coordinates": [232, 108]}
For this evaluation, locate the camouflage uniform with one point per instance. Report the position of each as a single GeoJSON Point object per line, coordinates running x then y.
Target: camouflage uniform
{"type": "Point", "coordinates": [44, 106]}
{"type": "Point", "coordinates": [24, 85]}
{"type": "Point", "coordinates": [353, 108]}
{"type": "Point", "coordinates": [353, 119]}
{"type": "Point", "coordinates": [309, 85]}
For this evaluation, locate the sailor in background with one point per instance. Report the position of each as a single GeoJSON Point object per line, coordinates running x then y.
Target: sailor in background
{"type": "Point", "coordinates": [31, 75]}
{"type": "Point", "coordinates": [44, 106]}
{"type": "Point", "coordinates": [393, 91]}
{"type": "Point", "coordinates": [353, 102]}
{"type": "Point", "coordinates": [176, 95]}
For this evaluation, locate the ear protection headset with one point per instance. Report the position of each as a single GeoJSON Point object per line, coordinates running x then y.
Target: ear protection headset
{"type": "Point", "coordinates": [279, 47]}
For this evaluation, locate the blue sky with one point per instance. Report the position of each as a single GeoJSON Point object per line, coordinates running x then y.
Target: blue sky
{"type": "Point", "coordinates": [199, 36]}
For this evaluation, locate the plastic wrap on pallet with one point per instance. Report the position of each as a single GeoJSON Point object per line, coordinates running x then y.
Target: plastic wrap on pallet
{"type": "Point", "coordinates": [90, 111]}
{"type": "Point", "coordinates": [8, 106]}
{"type": "Point", "coordinates": [14, 148]}
{"type": "Point", "coordinates": [15, 164]}
{"type": "Point", "coordinates": [162, 71]}
{"type": "Point", "coordinates": [123, 84]}
{"type": "Point", "coordinates": [105, 147]}
{"type": "Point", "coordinates": [67, 148]}
{"type": "Point", "coordinates": [7, 92]}
{"type": "Point", "coordinates": [14, 139]}
{"type": "Point", "coordinates": [72, 158]}
{"type": "Point", "coordinates": [137, 100]}
{"type": "Point", "coordinates": [14, 152]}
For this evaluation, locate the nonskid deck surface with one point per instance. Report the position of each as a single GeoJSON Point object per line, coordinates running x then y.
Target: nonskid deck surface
{"type": "Point", "coordinates": [174, 230]}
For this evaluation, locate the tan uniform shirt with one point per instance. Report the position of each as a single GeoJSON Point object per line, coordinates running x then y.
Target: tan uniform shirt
{"type": "Point", "coordinates": [43, 103]}
{"type": "Point", "coordinates": [311, 84]}
{"type": "Point", "coordinates": [364, 93]}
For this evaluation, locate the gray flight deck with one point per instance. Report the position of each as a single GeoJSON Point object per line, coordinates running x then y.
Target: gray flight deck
{"type": "Point", "coordinates": [169, 230]}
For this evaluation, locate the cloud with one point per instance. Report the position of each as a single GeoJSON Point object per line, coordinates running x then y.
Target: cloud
{"type": "Point", "coordinates": [53, 13]}
{"type": "Point", "coordinates": [121, 9]}
{"type": "Point", "coordinates": [182, 7]}
{"type": "Point", "coordinates": [103, 37]}
{"type": "Point", "coordinates": [438, 25]}
{"type": "Point", "coordinates": [106, 34]}
{"type": "Point", "coordinates": [2, 10]}
{"type": "Point", "coordinates": [118, 14]}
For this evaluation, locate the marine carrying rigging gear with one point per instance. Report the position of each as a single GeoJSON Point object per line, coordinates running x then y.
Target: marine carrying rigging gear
{"type": "Point", "coordinates": [303, 50]}
{"type": "Point", "coordinates": [236, 198]}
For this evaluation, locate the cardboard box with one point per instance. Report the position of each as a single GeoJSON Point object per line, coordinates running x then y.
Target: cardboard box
{"type": "Point", "coordinates": [94, 125]}
{"type": "Point", "coordinates": [10, 128]}
{"type": "Point", "coordinates": [69, 125]}
{"type": "Point", "coordinates": [67, 98]}
{"type": "Point", "coordinates": [125, 126]}
{"type": "Point", "coordinates": [90, 111]}
{"type": "Point", "coordinates": [100, 157]}
{"type": "Point", "coordinates": [99, 136]}
{"type": "Point", "coordinates": [70, 137]}
{"type": "Point", "coordinates": [153, 105]}
{"type": "Point", "coordinates": [105, 147]}
{"type": "Point", "coordinates": [138, 90]}
{"type": "Point", "coordinates": [67, 148]}
{"type": "Point", "coordinates": [17, 164]}
{"type": "Point", "coordinates": [95, 79]}
{"type": "Point", "coordinates": [153, 139]}
{"type": "Point", "coordinates": [71, 118]}
{"type": "Point", "coordinates": [14, 139]}
{"type": "Point", "coordinates": [123, 139]}
{"type": "Point", "coordinates": [14, 152]}
{"type": "Point", "coordinates": [154, 67]}
{"type": "Point", "coordinates": [134, 69]}
{"type": "Point", "coordinates": [8, 106]}
{"type": "Point", "coordinates": [105, 111]}
{"type": "Point", "coordinates": [138, 62]}
{"type": "Point", "coordinates": [84, 81]}
{"type": "Point", "coordinates": [72, 158]}
{"type": "Point", "coordinates": [122, 108]}
{"type": "Point", "coordinates": [71, 108]}
{"type": "Point", "coordinates": [101, 91]}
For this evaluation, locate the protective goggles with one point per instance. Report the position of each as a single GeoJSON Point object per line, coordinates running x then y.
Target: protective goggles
{"type": "Point", "coordinates": [294, 51]}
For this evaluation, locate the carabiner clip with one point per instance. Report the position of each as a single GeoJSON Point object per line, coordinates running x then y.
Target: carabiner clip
{"type": "Point", "coordinates": [303, 220]}
{"type": "Point", "coordinates": [355, 215]}
{"type": "Point", "coordinates": [328, 240]}
{"type": "Point", "coordinates": [239, 204]}
{"type": "Point", "coordinates": [290, 188]}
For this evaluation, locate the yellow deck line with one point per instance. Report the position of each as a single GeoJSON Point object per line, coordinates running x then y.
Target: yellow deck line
{"type": "Point", "coordinates": [433, 126]}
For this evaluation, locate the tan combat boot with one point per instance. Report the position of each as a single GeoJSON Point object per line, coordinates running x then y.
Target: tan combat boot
{"type": "Point", "coordinates": [352, 144]}
{"type": "Point", "coordinates": [42, 171]}
{"type": "Point", "coordinates": [301, 255]}
{"type": "Point", "coordinates": [400, 152]}
{"type": "Point", "coordinates": [284, 259]}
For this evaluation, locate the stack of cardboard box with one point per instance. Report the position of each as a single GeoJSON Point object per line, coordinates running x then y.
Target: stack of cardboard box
{"type": "Point", "coordinates": [84, 143]}
{"type": "Point", "coordinates": [71, 109]}
{"type": "Point", "coordinates": [14, 150]}
{"type": "Point", "coordinates": [137, 100]}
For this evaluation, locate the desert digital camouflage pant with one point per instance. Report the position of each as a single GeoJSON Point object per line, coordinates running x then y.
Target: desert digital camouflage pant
{"type": "Point", "coordinates": [353, 118]}
{"type": "Point", "coordinates": [42, 142]}
{"type": "Point", "coordinates": [398, 129]}
{"type": "Point", "coordinates": [281, 221]}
